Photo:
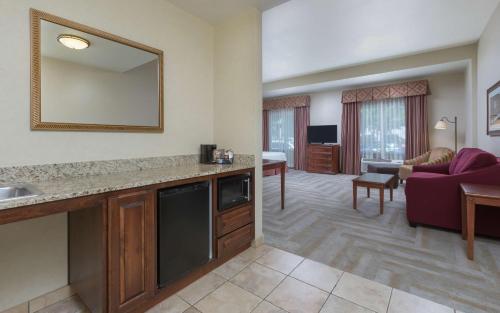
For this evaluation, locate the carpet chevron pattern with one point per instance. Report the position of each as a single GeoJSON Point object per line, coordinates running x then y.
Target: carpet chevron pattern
{"type": "Point", "coordinates": [319, 223]}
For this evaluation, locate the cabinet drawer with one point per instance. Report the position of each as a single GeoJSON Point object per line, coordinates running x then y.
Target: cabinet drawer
{"type": "Point", "coordinates": [320, 169]}
{"type": "Point", "coordinates": [320, 162]}
{"type": "Point", "coordinates": [235, 242]}
{"type": "Point", "coordinates": [320, 154]}
{"type": "Point", "coordinates": [233, 220]}
{"type": "Point", "coordinates": [327, 149]}
{"type": "Point", "coordinates": [327, 162]}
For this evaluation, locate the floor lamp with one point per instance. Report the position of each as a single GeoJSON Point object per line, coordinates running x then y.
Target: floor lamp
{"type": "Point", "coordinates": [443, 124]}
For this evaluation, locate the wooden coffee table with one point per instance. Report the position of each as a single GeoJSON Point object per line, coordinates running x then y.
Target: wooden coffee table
{"type": "Point", "coordinates": [473, 194]}
{"type": "Point", "coordinates": [372, 180]}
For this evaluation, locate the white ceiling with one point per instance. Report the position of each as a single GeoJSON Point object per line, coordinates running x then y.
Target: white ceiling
{"type": "Point", "coordinates": [306, 36]}
{"type": "Point", "coordinates": [215, 11]}
{"type": "Point", "coordinates": [102, 53]}
{"type": "Point", "coordinates": [367, 80]}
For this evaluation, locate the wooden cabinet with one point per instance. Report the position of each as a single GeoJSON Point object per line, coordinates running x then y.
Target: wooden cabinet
{"type": "Point", "coordinates": [112, 243]}
{"type": "Point", "coordinates": [131, 250]}
{"type": "Point", "coordinates": [235, 227]}
{"type": "Point", "coordinates": [87, 254]}
{"type": "Point", "coordinates": [235, 242]}
{"type": "Point", "coordinates": [234, 219]}
{"type": "Point", "coordinates": [323, 158]}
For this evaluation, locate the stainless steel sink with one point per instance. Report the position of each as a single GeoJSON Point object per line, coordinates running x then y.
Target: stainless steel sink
{"type": "Point", "coordinates": [17, 191]}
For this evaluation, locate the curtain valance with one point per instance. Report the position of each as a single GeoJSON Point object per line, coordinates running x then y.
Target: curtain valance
{"type": "Point", "coordinates": [414, 88]}
{"type": "Point", "coordinates": [287, 102]}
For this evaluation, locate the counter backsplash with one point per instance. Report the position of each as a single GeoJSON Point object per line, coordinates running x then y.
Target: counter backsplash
{"type": "Point", "coordinates": [34, 173]}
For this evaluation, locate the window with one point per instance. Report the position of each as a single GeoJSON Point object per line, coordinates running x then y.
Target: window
{"type": "Point", "coordinates": [281, 133]}
{"type": "Point", "coordinates": [382, 129]}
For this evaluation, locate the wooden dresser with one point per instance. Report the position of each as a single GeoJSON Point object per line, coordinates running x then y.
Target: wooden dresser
{"type": "Point", "coordinates": [323, 158]}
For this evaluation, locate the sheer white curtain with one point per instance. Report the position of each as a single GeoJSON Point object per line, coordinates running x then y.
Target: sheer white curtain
{"type": "Point", "coordinates": [281, 133]}
{"type": "Point", "coordinates": [382, 129]}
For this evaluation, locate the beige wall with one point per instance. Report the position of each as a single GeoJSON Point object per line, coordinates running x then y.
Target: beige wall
{"type": "Point", "coordinates": [326, 109]}
{"type": "Point", "coordinates": [33, 258]}
{"type": "Point", "coordinates": [75, 93]}
{"type": "Point", "coordinates": [187, 43]}
{"type": "Point", "coordinates": [471, 102]}
{"type": "Point", "coordinates": [447, 99]}
{"type": "Point", "coordinates": [466, 53]}
{"type": "Point", "coordinates": [238, 93]}
{"type": "Point", "coordinates": [35, 251]}
{"type": "Point", "coordinates": [488, 73]}
{"type": "Point", "coordinates": [394, 64]}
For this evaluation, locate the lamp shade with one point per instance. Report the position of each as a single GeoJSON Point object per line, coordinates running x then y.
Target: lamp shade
{"type": "Point", "coordinates": [441, 125]}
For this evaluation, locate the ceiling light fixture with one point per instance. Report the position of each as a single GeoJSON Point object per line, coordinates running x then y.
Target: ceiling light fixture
{"type": "Point", "coordinates": [73, 42]}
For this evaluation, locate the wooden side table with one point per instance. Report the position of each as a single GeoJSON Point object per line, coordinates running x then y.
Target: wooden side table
{"type": "Point", "coordinates": [274, 164]}
{"type": "Point", "coordinates": [473, 194]}
{"type": "Point", "coordinates": [372, 180]}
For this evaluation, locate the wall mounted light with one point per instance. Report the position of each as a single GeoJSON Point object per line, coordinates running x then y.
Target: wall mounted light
{"type": "Point", "coordinates": [73, 42]}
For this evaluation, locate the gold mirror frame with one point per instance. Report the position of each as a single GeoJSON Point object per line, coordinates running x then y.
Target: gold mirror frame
{"type": "Point", "coordinates": [36, 123]}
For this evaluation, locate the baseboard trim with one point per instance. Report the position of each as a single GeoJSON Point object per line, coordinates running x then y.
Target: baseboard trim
{"type": "Point", "coordinates": [43, 301]}
{"type": "Point", "coordinates": [257, 242]}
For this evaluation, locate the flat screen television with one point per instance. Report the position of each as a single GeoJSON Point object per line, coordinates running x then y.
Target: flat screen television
{"type": "Point", "coordinates": [322, 134]}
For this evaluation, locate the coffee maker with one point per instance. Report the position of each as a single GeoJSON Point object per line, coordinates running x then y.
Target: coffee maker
{"type": "Point", "coordinates": [207, 153]}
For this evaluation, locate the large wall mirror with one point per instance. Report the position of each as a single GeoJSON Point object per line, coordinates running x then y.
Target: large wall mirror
{"type": "Point", "coordinates": [86, 79]}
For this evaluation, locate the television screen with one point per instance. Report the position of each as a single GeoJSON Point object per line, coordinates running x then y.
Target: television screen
{"type": "Point", "coordinates": [322, 134]}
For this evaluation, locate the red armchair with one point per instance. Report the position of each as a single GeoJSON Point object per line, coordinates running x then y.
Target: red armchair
{"type": "Point", "coordinates": [433, 191]}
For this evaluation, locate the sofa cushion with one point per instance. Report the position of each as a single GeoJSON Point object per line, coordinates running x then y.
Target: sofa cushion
{"type": "Point", "coordinates": [442, 168]}
{"type": "Point", "coordinates": [471, 159]}
{"type": "Point", "coordinates": [426, 175]}
{"type": "Point", "coordinates": [437, 153]}
{"type": "Point", "coordinates": [405, 171]}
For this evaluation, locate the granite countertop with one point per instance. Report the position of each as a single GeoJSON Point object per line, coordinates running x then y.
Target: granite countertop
{"type": "Point", "coordinates": [72, 187]}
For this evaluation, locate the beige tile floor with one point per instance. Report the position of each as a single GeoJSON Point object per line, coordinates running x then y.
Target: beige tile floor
{"type": "Point", "coordinates": [269, 280]}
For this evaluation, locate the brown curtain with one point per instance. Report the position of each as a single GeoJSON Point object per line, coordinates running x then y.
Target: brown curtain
{"type": "Point", "coordinates": [300, 137]}
{"type": "Point", "coordinates": [350, 143]}
{"type": "Point", "coordinates": [417, 133]}
{"type": "Point", "coordinates": [408, 89]}
{"type": "Point", "coordinates": [265, 130]}
{"type": "Point", "coordinates": [286, 102]}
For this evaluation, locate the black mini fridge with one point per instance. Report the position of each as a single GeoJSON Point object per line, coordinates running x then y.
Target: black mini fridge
{"type": "Point", "coordinates": [184, 230]}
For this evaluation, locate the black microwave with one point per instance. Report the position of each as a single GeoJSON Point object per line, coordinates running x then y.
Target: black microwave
{"type": "Point", "coordinates": [233, 191]}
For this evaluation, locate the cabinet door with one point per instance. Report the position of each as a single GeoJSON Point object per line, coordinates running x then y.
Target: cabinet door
{"type": "Point", "coordinates": [131, 254]}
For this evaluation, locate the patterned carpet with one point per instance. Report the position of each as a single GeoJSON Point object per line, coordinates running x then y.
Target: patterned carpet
{"type": "Point", "coordinates": [319, 223]}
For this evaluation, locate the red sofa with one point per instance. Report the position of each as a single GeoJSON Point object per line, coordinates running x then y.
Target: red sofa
{"type": "Point", "coordinates": [433, 191]}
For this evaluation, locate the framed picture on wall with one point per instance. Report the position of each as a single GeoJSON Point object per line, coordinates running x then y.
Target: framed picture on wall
{"type": "Point", "coordinates": [493, 111]}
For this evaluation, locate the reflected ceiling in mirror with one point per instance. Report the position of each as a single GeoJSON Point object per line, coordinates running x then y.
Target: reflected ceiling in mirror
{"type": "Point", "coordinates": [86, 79]}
